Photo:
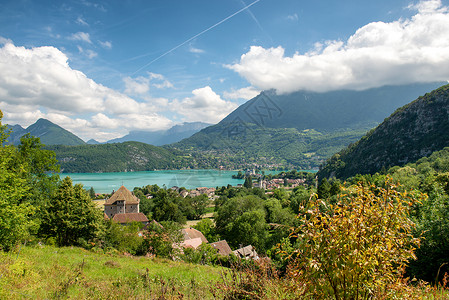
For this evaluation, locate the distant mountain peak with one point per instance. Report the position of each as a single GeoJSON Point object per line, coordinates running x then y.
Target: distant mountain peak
{"type": "Point", "coordinates": [163, 137]}
{"type": "Point", "coordinates": [92, 142]}
{"type": "Point", "coordinates": [47, 131]}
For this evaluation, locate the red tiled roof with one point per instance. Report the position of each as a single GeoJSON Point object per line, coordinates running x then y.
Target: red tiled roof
{"type": "Point", "coordinates": [122, 194]}
{"type": "Point", "coordinates": [130, 217]}
{"type": "Point", "coordinates": [191, 233]}
{"type": "Point", "coordinates": [222, 247]}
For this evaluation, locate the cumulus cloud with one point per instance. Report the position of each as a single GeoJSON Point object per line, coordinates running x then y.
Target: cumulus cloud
{"type": "Point", "coordinates": [4, 41]}
{"type": "Point", "coordinates": [205, 105]}
{"type": "Point", "coordinates": [243, 93]}
{"type": "Point", "coordinates": [141, 85]}
{"type": "Point", "coordinates": [39, 83]}
{"type": "Point", "coordinates": [379, 53]}
{"type": "Point", "coordinates": [81, 36]}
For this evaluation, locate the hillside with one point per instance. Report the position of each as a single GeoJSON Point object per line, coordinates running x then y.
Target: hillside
{"type": "Point", "coordinates": [118, 157]}
{"type": "Point", "coordinates": [48, 132]}
{"type": "Point", "coordinates": [298, 130]}
{"type": "Point", "coordinates": [163, 137]}
{"type": "Point", "coordinates": [413, 131]}
{"type": "Point", "coordinates": [46, 272]}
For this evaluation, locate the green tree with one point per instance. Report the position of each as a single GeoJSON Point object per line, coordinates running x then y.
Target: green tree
{"type": "Point", "coordinates": [92, 193]}
{"type": "Point", "coordinates": [207, 227]}
{"type": "Point", "coordinates": [195, 207]}
{"type": "Point", "coordinates": [299, 198]}
{"type": "Point", "coordinates": [16, 216]}
{"type": "Point", "coordinates": [71, 216]}
{"type": "Point", "coordinates": [248, 182]}
{"type": "Point", "coordinates": [160, 238]}
{"type": "Point", "coordinates": [123, 238]}
{"type": "Point", "coordinates": [17, 220]}
{"type": "Point", "coordinates": [241, 220]}
{"type": "Point", "coordinates": [167, 208]}
{"type": "Point", "coordinates": [324, 189]}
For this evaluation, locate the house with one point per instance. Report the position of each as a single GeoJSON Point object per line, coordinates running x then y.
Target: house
{"type": "Point", "coordinates": [192, 239]}
{"type": "Point", "coordinates": [222, 247]}
{"type": "Point", "coordinates": [123, 207]}
{"type": "Point", "coordinates": [130, 217]}
{"type": "Point", "coordinates": [192, 233]}
{"type": "Point", "coordinates": [192, 243]}
{"type": "Point", "coordinates": [247, 252]}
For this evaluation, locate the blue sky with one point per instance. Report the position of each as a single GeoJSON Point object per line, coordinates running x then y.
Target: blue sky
{"type": "Point", "coordinates": [103, 68]}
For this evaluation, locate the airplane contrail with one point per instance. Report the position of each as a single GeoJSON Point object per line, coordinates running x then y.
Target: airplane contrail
{"type": "Point", "coordinates": [195, 36]}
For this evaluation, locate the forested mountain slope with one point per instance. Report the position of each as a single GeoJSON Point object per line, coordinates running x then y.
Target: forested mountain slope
{"type": "Point", "coordinates": [118, 157]}
{"type": "Point", "coordinates": [298, 130]}
{"type": "Point", "coordinates": [413, 131]}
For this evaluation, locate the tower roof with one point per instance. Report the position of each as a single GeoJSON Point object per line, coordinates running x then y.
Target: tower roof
{"type": "Point", "coordinates": [122, 194]}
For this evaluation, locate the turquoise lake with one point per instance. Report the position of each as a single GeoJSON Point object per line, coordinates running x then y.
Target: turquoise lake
{"type": "Point", "coordinates": [190, 179]}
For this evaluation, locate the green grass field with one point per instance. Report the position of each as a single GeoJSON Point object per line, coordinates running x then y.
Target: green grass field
{"type": "Point", "coordinates": [74, 273]}
{"type": "Point", "coordinates": [46, 272]}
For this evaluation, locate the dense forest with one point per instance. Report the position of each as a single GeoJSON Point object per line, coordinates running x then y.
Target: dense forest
{"type": "Point", "coordinates": [117, 157]}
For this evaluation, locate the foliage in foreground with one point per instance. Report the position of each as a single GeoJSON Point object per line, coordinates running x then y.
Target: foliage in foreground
{"type": "Point", "coordinates": [355, 248]}
{"type": "Point", "coordinates": [25, 187]}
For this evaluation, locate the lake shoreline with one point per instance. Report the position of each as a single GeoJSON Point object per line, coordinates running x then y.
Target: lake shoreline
{"type": "Point", "coordinates": [190, 179]}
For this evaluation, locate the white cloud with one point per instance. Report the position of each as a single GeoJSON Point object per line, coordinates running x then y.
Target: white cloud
{"type": "Point", "coordinates": [161, 81]}
{"type": "Point", "coordinates": [196, 50]}
{"type": "Point", "coordinates": [205, 105]}
{"type": "Point", "coordinates": [102, 121]}
{"type": "Point", "coordinates": [39, 83]}
{"type": "Point", "coordinates": [293, 17]}
{"type": "Point", "coordinates": [141, 85]}
{"type": "Point", "coordinates": [4, 41]}
{"type": "Point", "coordinates": [399, 52]}
{"type": "Point", "coordinates": [243, 93]}
{"type": "Point", "coordinates": [132, 121]}
{"type": "Point", "coordinates": [42, 76]}
{"type": "Point", "coordinates": [428, 6]}
{"type": "Point", "coordinates": [81, 36]}
{"type": "Point", "coordinates": [81, 21]}
{"type": "Point", "coordinates": [89, 53]}
{"type": "Point", "coordinates": [105, 44]}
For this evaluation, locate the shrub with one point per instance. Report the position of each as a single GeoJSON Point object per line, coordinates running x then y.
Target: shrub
{"type": "Point", "coordinates": [355, 248]}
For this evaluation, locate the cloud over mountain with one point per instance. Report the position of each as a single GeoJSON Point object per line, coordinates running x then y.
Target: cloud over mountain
{"type": "Point", "coordinates": [399, 52]}
{"type": "Point", "coordinates": [205, 106]}
{"type": "Point", "coordinates": [39, 83]}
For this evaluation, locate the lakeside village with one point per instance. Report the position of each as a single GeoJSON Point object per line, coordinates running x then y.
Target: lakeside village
{"type": "Point", "coordinates": [123, 207]}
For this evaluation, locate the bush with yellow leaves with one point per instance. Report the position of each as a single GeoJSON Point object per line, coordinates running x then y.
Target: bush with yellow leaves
{"type": "Point", "coordinates": [355, 248]}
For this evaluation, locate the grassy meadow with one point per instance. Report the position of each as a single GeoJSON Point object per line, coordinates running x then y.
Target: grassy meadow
{"type": "Point", "coordinates": [46, 272]}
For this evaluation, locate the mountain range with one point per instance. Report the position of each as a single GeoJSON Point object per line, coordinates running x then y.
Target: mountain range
{"type": "Point", "coordinates": [53, 134]}
{"type": "Point", "coordinates": [163, 137]}
{"type": "Point", "coordinates": [298, 130]}
{"type": "Point", "coordinates": [410, 133]}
